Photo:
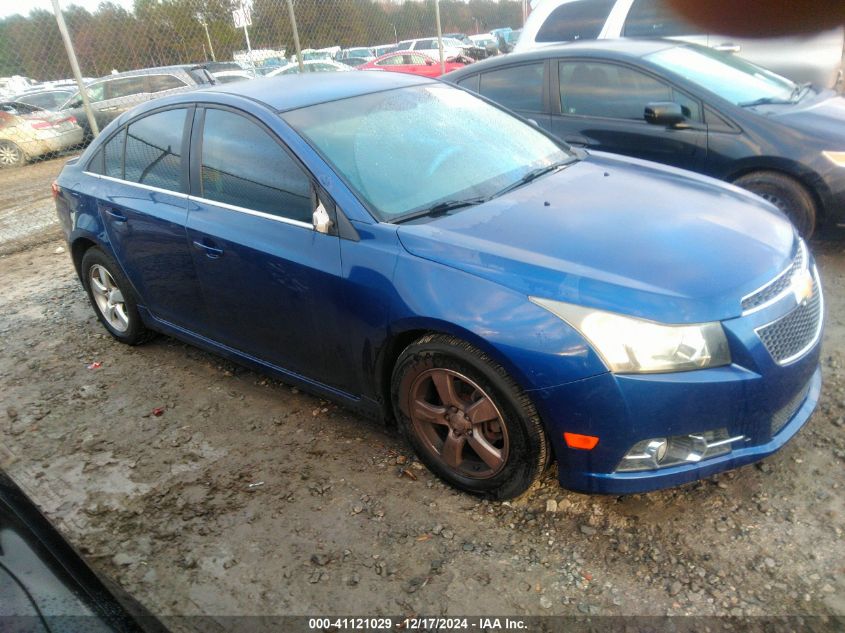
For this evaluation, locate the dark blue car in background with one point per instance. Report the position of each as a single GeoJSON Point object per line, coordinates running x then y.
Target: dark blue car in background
{"type": "Point", "coordinates": [687, 106]}
{"type": "Point", "coordinates": [419, 254]}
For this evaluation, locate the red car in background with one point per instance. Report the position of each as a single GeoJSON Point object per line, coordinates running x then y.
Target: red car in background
{"type": "Point", "coordinates": [412, 62]}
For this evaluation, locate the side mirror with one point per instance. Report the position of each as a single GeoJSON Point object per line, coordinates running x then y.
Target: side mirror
{"type": "Point", "coordinates": [321, 219]}
{"type": "Point", "coordinates": [665, 113]}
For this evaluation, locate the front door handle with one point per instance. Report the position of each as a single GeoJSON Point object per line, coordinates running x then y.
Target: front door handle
{"type": "Point", "coordinates": [728, 47]}
{"type": "Point", "coordinates": [211, 251]}
{"type": "Point", "coordinates": [114, 214]}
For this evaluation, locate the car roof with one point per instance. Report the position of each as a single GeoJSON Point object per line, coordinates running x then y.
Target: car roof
{"type": "Point", "coordinates": [289, 92]}
{"type": "Point", "coordinates": [150, 71]}
{"type": "Point", "coordinates": [609, 49]}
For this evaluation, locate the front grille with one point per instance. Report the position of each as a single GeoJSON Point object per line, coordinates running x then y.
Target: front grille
{"type": "Point", "coordinates": [785, 413]}
{"type": "Point", "coordinates": [779, 284]}
{"type": "Point", "coordinates": [792, 335]}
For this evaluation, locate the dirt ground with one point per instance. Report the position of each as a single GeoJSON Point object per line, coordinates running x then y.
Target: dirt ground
{"type": "Point", "coordinates": [246, 496]}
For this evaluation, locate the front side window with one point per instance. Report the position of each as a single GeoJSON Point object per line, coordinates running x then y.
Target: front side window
{"type": "Point", "coordinates": [516, 87]}
{"type": "Point", "coordinates": [154, 150]}
{"type": "Point", "coordinates": [243, 165]}
{"type": "Point", "coordinates": [125, 87]}
{"type": "Point", "coordinates": [608, 90]}
{"type": "Point", "coordinates": [407, 149]}
{"type": "Point", "coordinates": [655, 18]}
{"type": "Point", "coordinates": [393, 60]}
{"type": "Point", "coordinates": [160, 83]}
{"type": "Point", "coordinates": [577, 20]}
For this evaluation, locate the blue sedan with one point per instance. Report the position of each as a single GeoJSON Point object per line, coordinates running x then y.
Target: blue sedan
{"type": "Point", "coordinates": [421, 255]}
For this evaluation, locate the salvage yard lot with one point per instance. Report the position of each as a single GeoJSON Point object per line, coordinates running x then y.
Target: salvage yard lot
{"type": "Point", "coordinates": [246, 496]}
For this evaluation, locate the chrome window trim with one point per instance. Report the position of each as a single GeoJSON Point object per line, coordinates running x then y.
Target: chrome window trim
{"type": "Point", "coordinates": [803, 248]}
{"type": "Point", "coordinates": [819, 327]}
{"type": "Point", "coordinates": [141, 185]}
{"type": "Point", "coordinates": [259, 214]}
{"type": "Point", "coordinates": [185, 196]}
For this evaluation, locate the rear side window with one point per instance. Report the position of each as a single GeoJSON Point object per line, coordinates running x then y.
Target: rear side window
{"type": "Point", "coordinates": [515, 87]}
{"type": "Point", "coordinates": [244, 166]}
{"type": "Point", "coordinates": [113, 153]}
{"type": "Point", "coordinates": [159, 83]}
{"type": "Point", "coordinates": [654, 18]}
{"type": "Point", "coordinates": [154, 150]}
{"type": "Point", "coordinates": [578, 20]}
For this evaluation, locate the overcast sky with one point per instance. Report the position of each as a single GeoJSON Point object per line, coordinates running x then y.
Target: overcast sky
{"type": "Point", "coordinates": [10, 7]}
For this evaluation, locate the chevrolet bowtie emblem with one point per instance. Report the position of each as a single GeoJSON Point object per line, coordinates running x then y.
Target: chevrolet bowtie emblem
{"type": "Point", "coordinates": [802, 286]}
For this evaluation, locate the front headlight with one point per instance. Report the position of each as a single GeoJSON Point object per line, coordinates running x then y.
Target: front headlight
{"type": "Point", "coordinates": [631, 345]}
{"type": "Point", "coordinates": [837, 158]}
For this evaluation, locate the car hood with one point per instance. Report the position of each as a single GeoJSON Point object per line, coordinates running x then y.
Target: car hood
{"type": "Point", "coordinates": [618, 234]}
{"type": "Point", "coordinates": [822, 117]}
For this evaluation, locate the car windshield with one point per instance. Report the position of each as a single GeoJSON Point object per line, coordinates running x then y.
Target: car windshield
{"type": "Point", "coordinates": [409, 149]}
{"type": "Point", "coordinates": [730, 77]}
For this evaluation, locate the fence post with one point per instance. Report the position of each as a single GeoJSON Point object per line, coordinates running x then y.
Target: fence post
{"type": "Point", "coordinates": [204, 22]}
{"type": "Point", "coordinates": [295, 36]}
{"type": "Point", "coordinates": [439, 36]}
{"type": "Point", "coordinates": [74, 66]}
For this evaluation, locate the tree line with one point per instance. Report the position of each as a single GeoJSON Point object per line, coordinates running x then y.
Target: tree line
{"type": "Point", "coordinates": [163, 32]}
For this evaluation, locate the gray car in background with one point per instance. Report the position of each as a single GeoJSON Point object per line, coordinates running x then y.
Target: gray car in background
{"type": "Point", "coordinates": [813, 58]}
{"type": "Point", "coordinates": [115, 94]}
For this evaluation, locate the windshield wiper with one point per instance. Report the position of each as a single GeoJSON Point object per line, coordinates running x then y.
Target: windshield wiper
{"type": "Point", "coordinates": [441, 208]}
{"type": "Point", "coordinates": [534, 174]}
{"type": "Point", "coordinates": [795, 96]}
{"type": "Point", "coordinates": [799, 91]}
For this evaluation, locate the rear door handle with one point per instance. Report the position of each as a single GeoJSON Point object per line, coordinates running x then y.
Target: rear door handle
{"type": "Point", "coordinates": [211, 251]}
{"type": "Point", "coordinates": [115, 215]}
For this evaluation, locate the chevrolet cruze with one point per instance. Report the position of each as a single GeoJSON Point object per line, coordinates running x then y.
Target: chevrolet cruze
{"type": "Point", "coordinates": [419, 254]}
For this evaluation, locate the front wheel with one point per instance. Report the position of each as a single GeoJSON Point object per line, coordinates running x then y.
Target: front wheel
{"type": "Point", "coordinates": [787, 194]}
{"type": "Point", "coordinates": [466, 419]}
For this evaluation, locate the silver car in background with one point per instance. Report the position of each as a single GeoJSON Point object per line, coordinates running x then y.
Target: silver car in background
{"type": "Point", "coordinates": [813, 58]}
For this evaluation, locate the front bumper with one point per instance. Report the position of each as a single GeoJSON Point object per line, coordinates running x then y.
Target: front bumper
{"type": "Point", "coordinates": [755, 397]}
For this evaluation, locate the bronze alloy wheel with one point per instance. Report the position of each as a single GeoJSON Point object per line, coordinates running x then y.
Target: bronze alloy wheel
{"type": "Point", "coordinates": [458, 423]}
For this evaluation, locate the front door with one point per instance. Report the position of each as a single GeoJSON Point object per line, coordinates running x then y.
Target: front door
{"type": "Point", "coordinates": [601, 106]}
{"type": "Point", "coordinates": [266, 274]}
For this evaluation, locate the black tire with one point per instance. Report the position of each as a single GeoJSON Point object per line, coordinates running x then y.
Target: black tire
{"type": "Point", "coordinates": [787, 194]}
{"type": "Point", "coordinates": [135, 332]}
{"type": "Point", "coordinates": [11, 155]}
{"type": "Point", "coordinates": [517, 431]}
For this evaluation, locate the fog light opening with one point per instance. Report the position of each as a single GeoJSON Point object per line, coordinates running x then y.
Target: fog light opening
{"type": "Point", "coordinates": [662, 452]}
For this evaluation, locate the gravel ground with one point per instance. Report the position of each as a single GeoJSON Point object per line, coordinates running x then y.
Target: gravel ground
{"type": "Point", "coordinates": [246, 496]}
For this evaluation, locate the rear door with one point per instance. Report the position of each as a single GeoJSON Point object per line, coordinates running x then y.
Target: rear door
{"type": "Point", "coordinates": [142, 200]}
{"type": "Point", "coordinates": [600, 105]}
{"type": "Point", "coordinates": [266, 274]}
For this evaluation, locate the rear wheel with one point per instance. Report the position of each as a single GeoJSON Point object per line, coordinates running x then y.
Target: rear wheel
{"type": "Point", "coordinates": [112, 297]}
{"type": "Point", "coordinates": [11, 155]}
{"type": "Point", "coordinates": [467, 419]}
{"type": "Point", "coordinates": [787, 194]}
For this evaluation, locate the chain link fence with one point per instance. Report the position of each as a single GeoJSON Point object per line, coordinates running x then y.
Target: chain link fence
{"type": "Point", "coordinates": [131, 51]}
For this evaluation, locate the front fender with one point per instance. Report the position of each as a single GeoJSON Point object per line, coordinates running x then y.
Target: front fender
{"type": "Point", "coordinates": [536, 348]}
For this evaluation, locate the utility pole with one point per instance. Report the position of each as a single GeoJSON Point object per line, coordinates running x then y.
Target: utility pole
{"type": "Point", "coordinates": [295, 36]}
{"type": "Point", "coordinates": [74, 66]}
{"type": "Point", "coordinates": [204, 22]}
{"type": "Point", "coordinates": [439, 36]}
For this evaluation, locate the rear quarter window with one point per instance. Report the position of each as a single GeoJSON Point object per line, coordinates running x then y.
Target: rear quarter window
{"type": "Point", "coordinates": [579, 20]}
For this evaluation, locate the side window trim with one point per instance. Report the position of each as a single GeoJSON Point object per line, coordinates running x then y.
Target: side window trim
{"type": "Point", "coordinates": [186, 135]}
{"type": "Point", "coordinates": [196, 164]}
